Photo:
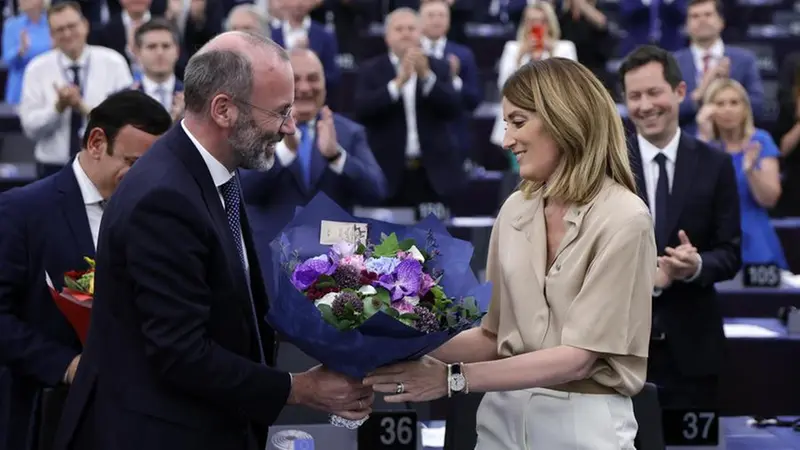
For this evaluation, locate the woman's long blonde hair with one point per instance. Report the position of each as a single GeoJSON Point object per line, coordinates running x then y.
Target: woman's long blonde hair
{"type": "Point", "coordinates": [582, 119]}
{"type": "Point", "coordinates": [748, 127]}
{"type": "Point", "coordinates": [553, 28]}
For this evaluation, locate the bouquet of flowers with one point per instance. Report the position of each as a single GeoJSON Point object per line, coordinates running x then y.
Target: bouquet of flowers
{"type": "Point", "coordinates": [358, 294]}
{"type": "Point", "coordinates": [75, 299]}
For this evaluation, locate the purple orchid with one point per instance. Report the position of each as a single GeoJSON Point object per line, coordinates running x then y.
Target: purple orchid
{"type": "Point", "coordinates": [307, 272]}
{"type": "Point", "coordinates": [404, 305]}
{"type": "Point", "coordinates": [427, 283]}
{"type": "Point", "coordinates": [404, 281]}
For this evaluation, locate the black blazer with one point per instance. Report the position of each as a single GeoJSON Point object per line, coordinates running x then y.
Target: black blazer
{"type": "Point", "coordinates": [704, 202]}
{"type": "Point", "coordinates": [385, 121]}
{"type": "Point", "coordinates": [171, 361]}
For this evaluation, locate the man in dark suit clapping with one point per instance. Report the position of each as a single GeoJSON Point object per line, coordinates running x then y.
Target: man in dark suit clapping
{"type": "Point", "coordinates": [50, 226]}
{"type": "Point", "coordinates": [179, 355]}
{"type": "Point", "coordinates": [691, 191]}
{"type": "Point", "coordinates": [407, 103]}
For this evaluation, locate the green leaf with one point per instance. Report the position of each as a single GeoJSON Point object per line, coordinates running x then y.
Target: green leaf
{"type": "Point", "coordinates": [361, 249]}
{"type": "Point", "coordinates": [383, 296]}
{"type": "Point", "coordinates": [325, 281]}
{"type": "Point", "coordinates": [409, 316]}
{"type": "Point", "coordinates": [392, 312]}
{"type": "Point", "coordinates": [406, 244]}
{"type": "Point", "coordinates": [371, 306]}
{"type": "Point", "coordinates": [388, 247]}
{"type": "Point", "coordinates": [327, 314]}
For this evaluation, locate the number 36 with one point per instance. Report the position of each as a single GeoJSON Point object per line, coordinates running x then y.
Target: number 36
{"type": "Point", "coordinates": [396, 431]}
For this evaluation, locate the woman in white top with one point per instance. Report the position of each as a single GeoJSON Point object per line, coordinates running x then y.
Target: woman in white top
{"type": "Point", "coordinates": [526, 47]}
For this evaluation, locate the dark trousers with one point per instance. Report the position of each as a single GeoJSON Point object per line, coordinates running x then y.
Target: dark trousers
{"type": "Point", "coordinates": [677, 390]}
{"type": "Point", "coordinates": [416, 191]}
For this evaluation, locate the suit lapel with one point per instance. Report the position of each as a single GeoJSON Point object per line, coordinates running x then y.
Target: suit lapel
{"type": "Point", "coordinates": [188, 153]}
{"type": "Point", "coordinates": [685, 164]}
{"type": "Point", "coordinates": [635, 157]}
{"type": "Point", "coordinates": [74, 211]}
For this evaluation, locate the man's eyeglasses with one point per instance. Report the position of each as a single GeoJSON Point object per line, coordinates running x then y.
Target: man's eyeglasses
{"type": "Point", "coordinates": [284, 116]}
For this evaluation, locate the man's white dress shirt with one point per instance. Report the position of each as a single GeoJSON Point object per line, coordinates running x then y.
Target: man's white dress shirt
{"type": "Point", "coordinates": [102, 73]}
{"type": "Point", "coordinates": [91, 199]}
{"type": "Point", "coordinates": [409, 94]}
{"type": "Point", "coordinates": [160, 92]}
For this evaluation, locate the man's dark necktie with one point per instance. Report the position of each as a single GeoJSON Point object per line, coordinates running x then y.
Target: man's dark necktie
{"type": "Point", "coordinates": [75, 118]}
{"type": "Point", "coordinates": [662, 199]}
{"type": "Point", "coordinates": [233, 201]}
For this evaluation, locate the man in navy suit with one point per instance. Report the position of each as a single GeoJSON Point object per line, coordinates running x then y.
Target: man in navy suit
{"type": "Point", "coordinates": [407, 103]}
{"type": "Point", "coordinates": [691, 191]}
{"type": "Point", "coordinates": [656, 22]}
{"type": "Point", "coordinates": [708, 59]}
{"type": "Point", "coordinates": [329, 154]}
{"type": "Point", "coordinates": [298, 30]}
{"type": "Point", "coordinates": [157, 48]}
{"type": "Point", "coordinates": [50, 226]}
{"type": "Point", "coordinates": [179, 355]}
{"type": "Point", "coordinates": [435, 20]}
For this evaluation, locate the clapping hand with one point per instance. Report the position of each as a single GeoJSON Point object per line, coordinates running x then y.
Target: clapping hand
{"type": "Point", "coordinates": [751, 154]}
{"type": "Point", "coordinates": [682, 261]}
{"type": "Point", "coordinates": [326, 134]}
{"type": "Point", "coordinates": [413, 381]}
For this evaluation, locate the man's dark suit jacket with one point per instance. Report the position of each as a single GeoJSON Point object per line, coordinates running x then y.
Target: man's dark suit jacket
{"type": "Point", "coordinates": [324, 45]}
{"type": "Point", "coordinates": [171, 361]}
{"type": "Point", "coordinates": [385, 121]}
{"type": "Point", "coordinates": [704, 203]}
{"type": "Point", "coordinates": [273, 196]}
{"type": "Point", "coordinates": [471, 93]}
{"type": "Point", "coordinates": [44, 227]}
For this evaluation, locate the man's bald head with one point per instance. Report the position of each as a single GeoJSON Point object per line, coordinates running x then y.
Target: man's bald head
{"type": "Point", "coordinates": [228, 64]}
{"type": "Point", "coordinates": [309, 84]}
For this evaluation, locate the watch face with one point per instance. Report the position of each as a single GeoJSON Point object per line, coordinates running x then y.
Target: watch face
{"type": "Point", "coordinates": [457, 382]}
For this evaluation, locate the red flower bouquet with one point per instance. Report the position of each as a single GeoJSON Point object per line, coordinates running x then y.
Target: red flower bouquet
{"type": "Point", "coordinates": [75, 299]}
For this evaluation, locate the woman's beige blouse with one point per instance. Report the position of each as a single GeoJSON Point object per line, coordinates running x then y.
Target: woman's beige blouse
{"type": "Point", "coordinates": [597, 294]}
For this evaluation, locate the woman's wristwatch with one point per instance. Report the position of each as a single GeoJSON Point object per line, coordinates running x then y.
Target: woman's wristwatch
{"type": "Point", "coordinates": [456, 381]}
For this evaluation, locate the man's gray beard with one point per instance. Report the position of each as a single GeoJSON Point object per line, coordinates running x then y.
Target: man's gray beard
{"type": "Point", "coordinates": [260, 162]}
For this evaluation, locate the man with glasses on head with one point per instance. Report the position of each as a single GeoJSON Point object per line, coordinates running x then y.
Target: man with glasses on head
{"type": "Point", "coordinates": [61, 86]}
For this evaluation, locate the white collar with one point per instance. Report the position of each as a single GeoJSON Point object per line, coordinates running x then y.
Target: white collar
{"type": "Point", "coordinates": [649, 151]}
{"type": "Point", "coordinates": [717, 50]}
{"type": "Point", "coordinates": [432, 45]}
{"type": "Point", "coordinates": [66, 62]}
{"type": "Point", "coordinates": [304, 25]}
{"type": "Point", "coordinates": [89, 192]}
{"type": "Point", "coordinates": [219, 173]}
{"type": "Point", "coordinates": [151, 86]}
{"type": "Point", "coordinates": [127, 21]}
{"type": "Point", "coordinates": [394, 59]}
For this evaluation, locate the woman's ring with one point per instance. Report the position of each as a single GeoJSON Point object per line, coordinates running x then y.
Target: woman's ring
{"type": "Point", "coordinates": [400, 388]}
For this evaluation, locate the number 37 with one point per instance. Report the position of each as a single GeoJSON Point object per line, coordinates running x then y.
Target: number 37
{"type": "Point", "coordinates": [697, 425]}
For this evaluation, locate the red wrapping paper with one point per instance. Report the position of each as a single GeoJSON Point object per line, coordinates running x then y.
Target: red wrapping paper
{"type": "Point", "coordinates": [76, 307]}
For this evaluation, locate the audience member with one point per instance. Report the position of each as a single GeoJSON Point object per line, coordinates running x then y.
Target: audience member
{"type": "Point", "coordinates": [726, 121]}
{"type": "Point", "coordinates": [690, 189]}
{"type": "Point", "coordinates": [62, 85]}
{"type": "Point", "coordinates": [435, 21]}
{"type": "Point", "coordinates": [407, 103]}
{"type": "Point", "coordinates": [118, 33]}
{"type": "Point", "coordinates": [247, 17]}
{"type": "Point", "coordinates": [708, 58]}
{"type": "Point", "coordinates": [156, 46]}
{"type": "Point", "coordinates": [348, 18]}
{"type": "Point", "coordinates": [328, 154]}
{"type": "Point", "coordinates": [538, 37]}
{"type": "Point", "coordinates": [657, 22]}
{"type": "Point", "coordinates": [788, 131]}
{"type": "Point", "coordinates": [591, 35]}
{"type": "Point", "coordinates": [25, 36]}
{"type": "Point", "coordinates": [298, 30]}
{"type": "Point", "coordinates": [49, 226]}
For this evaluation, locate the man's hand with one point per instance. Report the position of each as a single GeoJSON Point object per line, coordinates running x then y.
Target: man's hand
{"type": "Point", "coordinates": [723, 69]}
{"type": "Point", "coordinates": [178, 106]}
{"type": "Point", "coordinates": [24, 43]}
{"type": "Point", "coordinates": [72, 369]}
{"type": "Point", "coordinates": [681, 261]}
{"type": "Point", "coordinates": [420, 61]}
{"type": "Point", "coordinates": [64, 97]}
{"type": "Point", "coordinates": [326, 134]}
{"type": "Point", "coordinates": [321, 389]}
{"type": "Point", "coordinates": [404, 70]}
{"type": "Point", "coordinates": [455, 65]}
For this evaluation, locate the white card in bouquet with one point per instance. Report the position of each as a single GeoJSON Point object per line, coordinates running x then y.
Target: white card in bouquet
{"type": "Point", "coordinates": [331, 232]}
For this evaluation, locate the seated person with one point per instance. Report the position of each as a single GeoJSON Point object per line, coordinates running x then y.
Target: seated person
{"type": "Point", "coordinates": [726, 120]}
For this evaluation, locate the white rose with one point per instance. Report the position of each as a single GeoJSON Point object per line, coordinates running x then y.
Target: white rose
{"type": "Point", "coordinates": [412, 300]}
{"type": "Point", "coordinates": [327, 299]}
{"type": "Point", "coordinates": [367, 290]}
{"type": "Point", "coordinates": [416, 254]}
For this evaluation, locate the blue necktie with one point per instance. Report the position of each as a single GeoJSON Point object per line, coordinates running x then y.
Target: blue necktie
{"type": "Point", "coordinates": [304, 153]}
{"type": "Point", "coordinates": [662, 198]}
{"type": "Point", "coordinates": [233, 201]}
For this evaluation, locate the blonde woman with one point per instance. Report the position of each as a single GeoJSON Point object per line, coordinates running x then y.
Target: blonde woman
{"type": "Point", "coordinates": [726, 121]}
{"type": "Point", "coordinates": [538, 37]}
{"type": "Point", "coordinates": [572, 261]}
